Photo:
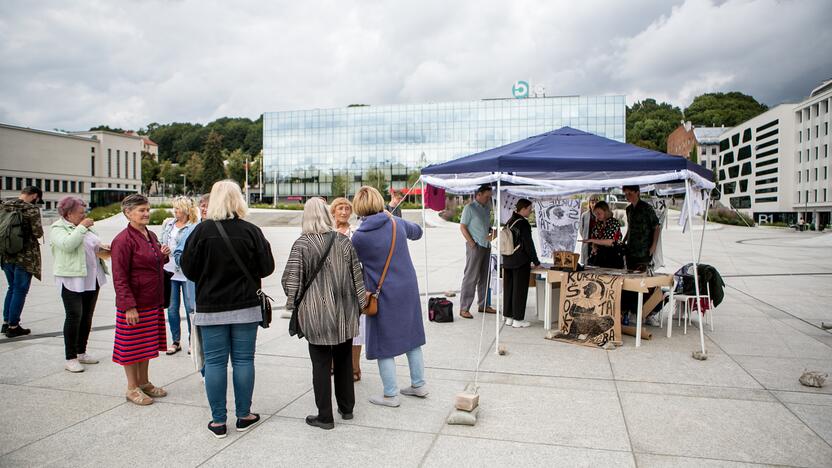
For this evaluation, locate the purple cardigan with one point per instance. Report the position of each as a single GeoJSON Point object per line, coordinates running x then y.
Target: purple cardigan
{"type": "Point", "coordinates": [398, 327]}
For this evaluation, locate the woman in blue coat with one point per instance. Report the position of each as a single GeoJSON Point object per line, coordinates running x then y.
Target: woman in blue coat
{"type": "Point", "coordinates": [397, 328]}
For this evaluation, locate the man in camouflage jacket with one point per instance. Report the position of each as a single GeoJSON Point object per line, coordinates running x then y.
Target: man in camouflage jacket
{"type": "Point", "coordinates": [19, 268]}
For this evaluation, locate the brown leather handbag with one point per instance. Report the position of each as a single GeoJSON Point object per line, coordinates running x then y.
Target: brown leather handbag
{"type": "Point", "coordinates": [372, 301]}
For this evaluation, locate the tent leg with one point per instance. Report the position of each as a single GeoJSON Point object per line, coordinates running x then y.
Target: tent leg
{"type": "Point", "coordinates": [425, 242]}
{"type": "Point", "coordinates": [704, 222]}
{"type": "Point", "coordinates": [688, 193]}
{"type": "Point", "coordinates": [499, 259]}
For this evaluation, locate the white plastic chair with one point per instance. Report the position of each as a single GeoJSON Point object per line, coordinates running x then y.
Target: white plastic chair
{"type": "Point", "coordinates": [685, 300]}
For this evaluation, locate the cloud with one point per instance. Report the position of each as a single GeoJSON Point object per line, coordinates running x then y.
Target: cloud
{"type": "Point", "coordinates": [75, 64]}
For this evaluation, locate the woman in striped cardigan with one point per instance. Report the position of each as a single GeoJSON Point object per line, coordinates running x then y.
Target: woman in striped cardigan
{"type": "Point", "coordinates": [328, 311]}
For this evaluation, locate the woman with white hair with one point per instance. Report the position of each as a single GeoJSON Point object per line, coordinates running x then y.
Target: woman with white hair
{"type": "Point", "coordinates": [227, 303]}
{"type": "Point", "coordinates": [79, 274]}
{"type": "Point", "coordinates": [174, 231]}
{"type": "Point", "coordinates": [324, 286]}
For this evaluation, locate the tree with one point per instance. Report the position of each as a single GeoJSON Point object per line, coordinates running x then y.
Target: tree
{"type": "Point", "coordinates": [340, 185]}
{"type": "Point", "coordinates": [106, 128]}
{"type": "Point", "coordinates": [729, 109]}
{"type": "Point", "coordinates": [649, 123]}
{"type": "Point", "coordinates": [693, 155]}
{"type": "Point", "coordinates": [150, 172]}
{"type": "Point", "coordinates": [412, 178]}
{"type": "Point", "coordinates": [213, 169]}
{"type": "Point", "coordinates": [376, 178]}
{"type": "Point", "coordinates": [236, 166]}
{"type": "Point", "coordinates": [194, 169]}
{"type": "Point", "coordinates": [170, 174]}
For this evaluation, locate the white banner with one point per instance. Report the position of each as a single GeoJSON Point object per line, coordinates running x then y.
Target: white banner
{"type": "Point", "coordinates": [660, 206]}
{"type": "Point", "coordinates": [557, 225]}
{"type": "Point", "coordinates": [508, 202]}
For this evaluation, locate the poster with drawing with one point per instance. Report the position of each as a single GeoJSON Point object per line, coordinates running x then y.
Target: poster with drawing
{"type": "Point", "coordinates": [507, 204]}
{"type": "Point", "coordinates": [660, 205]}
{"type": "Point", "coordinates": [590, 309]}
{"type": "Point", "coordinates": [557, 224]}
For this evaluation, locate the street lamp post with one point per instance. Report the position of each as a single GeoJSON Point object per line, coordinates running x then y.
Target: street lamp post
{"type": "Point", "coordinates": [184, 184]}
{"type": "Point", "coordinates": [163, 187]}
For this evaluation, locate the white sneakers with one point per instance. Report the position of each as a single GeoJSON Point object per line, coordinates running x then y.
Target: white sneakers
{"type": "Point", "coordinates": [87, 359]}
{"type": "Point", "coordinates": [73, 365]}
{"type": "Point", "coordinates": [517, 323]}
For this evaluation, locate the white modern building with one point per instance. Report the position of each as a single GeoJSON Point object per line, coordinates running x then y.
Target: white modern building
{"type": "Point", "coordinates": [63, 164]}
{"type": "Point", "coordinates": [776, 165]}
{"type": "Point", "coordinates": [812, 186]}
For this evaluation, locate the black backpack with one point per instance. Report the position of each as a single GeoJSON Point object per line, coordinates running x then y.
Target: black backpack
{"type": "Point", "coordinates": [440, 310]}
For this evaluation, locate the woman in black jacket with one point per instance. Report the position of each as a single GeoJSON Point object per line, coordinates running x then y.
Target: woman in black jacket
{"type": "Point", "coordinates": [517, 266]}
{"type": "Point", "coordinates": [227, 304]}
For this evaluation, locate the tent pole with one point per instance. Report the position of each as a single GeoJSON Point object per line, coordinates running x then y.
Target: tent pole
{"type": "Point", "coordinates": [499, 259]}
{"type": "Point", "coordinates": [688, 193]}
{"type": "Point", "coordinates": [704, 222]}
{"type": "Point", "coordinates": [425, 242]}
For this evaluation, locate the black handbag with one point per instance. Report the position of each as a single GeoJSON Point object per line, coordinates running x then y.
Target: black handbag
{"type": "Point", "coordinates": [168, 286]}
{"type": "Point", "coordinates": [265, 299]}
{"type": "Point", "coordinates": [440, 310]}
{"type": "Point", "coordinates": [294, 322]}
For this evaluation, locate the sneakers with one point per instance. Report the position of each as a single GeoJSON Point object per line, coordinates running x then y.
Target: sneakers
{"type": "Point", "coordinates": [383, 400]}
{"type": "Point", "coordinates": [73, 365]}
{"type": "Point", "coordinates": [654, 321]}
{"type": "Point", "coordinates": [420, 392]}
{"type": "Point", "coordinates": [315, 422]}
{"type": "Point", "coordinates": [509, 321]}
{"type": "Point", "coordinates": [85, 358]}
{"type": "Point", "coordinates": [219, 431]}
{"type": "Point", "coordinates": [14, 332]}
{"type": "Point", "coordinates": [246, 424]}
{"type": "Point", "coordinates": [520, 324]}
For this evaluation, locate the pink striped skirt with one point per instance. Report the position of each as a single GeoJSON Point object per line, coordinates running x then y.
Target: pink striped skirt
{"type": "Point", "coordinates": [142, 341]}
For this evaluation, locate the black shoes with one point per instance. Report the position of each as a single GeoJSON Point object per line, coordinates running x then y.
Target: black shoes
{"type": "Point", "coordinates": [5, 328]}
{"type": "Point", "coordinates": [345, 416]}
{"type": "Point", "coordinates": [246, 424]}
{"type": "Point", "coordinates": [219, 431]}
{"type": "Point", "coordinates": [14, 332]}
{"type": "Point", "coordinates": [313, 421]}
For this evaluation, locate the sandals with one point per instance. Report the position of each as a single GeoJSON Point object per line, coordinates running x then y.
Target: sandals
{"type": "Point", "coordinates": [174, 348]}
{"type": "Point", "coordinates": [137, 396]}
{"type": "Point", "coordinates": [152, 390]}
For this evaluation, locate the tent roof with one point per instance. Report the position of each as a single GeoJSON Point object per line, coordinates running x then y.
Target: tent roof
{"type": "Point", "coordinates": [564, 152]}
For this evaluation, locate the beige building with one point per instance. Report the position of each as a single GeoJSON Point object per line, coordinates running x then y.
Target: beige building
{"type": "Point", "coordinates": [64, 164]}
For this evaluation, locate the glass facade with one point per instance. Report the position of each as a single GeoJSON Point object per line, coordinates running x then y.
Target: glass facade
{"type": "Point", "coordinates": [313, 152]}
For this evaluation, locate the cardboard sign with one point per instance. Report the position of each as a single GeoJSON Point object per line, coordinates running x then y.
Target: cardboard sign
{"type": "Point", "coordinates": [557, 224]}
{"type": "Point", "coordinates": [590, 309]}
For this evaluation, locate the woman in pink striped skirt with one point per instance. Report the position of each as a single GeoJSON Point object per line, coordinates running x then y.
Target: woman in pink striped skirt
{"type": "Point", "coordinates": [138, 279]}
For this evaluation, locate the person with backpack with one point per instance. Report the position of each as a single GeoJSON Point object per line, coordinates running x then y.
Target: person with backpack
{"type": "Point", "coordinates": [20, 229]}
{"type": "Point", "coordinates": [519, 253]}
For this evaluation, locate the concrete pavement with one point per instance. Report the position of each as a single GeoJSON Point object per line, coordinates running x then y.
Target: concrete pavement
{"type": "Point", "coordinates": [543, 404]}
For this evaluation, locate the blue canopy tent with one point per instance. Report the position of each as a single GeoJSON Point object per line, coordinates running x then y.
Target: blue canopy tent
{"type": "Point", "coordinates": [568, 161]}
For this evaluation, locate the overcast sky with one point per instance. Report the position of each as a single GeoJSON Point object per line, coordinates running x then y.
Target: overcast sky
{"type": "Point", "coordinates": [75, 64]}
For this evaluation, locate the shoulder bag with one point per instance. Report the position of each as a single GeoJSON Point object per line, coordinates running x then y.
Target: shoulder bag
{"type": "Point", "coordinates": [372, 301]}
{"type": "Point", "coordinates": [265, 300]}
{"type": "Point", "coordinates": [294, 322]}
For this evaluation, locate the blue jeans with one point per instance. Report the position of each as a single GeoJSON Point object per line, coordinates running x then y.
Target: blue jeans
{"type": "Point", "coordinates": [387, 369]}
{"type": "Point", "coordinates": [174, 319]}
{"type": "Point", "coordinates": [19, 281]}
{"type": "Point", "coordinates": [218, 343]}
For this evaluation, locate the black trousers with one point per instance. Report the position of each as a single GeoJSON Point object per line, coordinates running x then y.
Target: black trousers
{"type": "Point", "coordinates": [337, 359]}
{"type": "Point", "coordinates": [516, 291]}
{"type": "Point", "coordinates": [79, 308]}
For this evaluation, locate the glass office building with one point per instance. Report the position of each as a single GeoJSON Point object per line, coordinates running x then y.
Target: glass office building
{"type": "Point", "coordinates": [313, 152]}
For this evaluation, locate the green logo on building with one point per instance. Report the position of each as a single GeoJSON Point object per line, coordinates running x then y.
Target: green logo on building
{"type": "Point", "coordinates": [520, 89]}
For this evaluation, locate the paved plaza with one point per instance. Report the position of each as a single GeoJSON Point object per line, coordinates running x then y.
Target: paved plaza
{"type": "Point", "coordinates": [542, 404]}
